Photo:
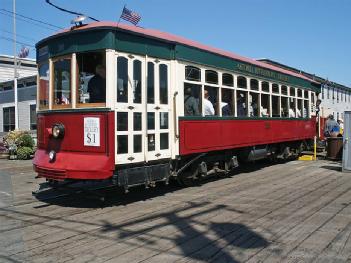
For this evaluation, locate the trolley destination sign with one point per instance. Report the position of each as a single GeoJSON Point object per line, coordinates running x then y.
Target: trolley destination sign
{"type": "Point", "coordinates": [262, 72]}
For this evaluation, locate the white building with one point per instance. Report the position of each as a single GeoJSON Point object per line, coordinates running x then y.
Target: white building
{"type": "Point", "coordinates": [27, 89]}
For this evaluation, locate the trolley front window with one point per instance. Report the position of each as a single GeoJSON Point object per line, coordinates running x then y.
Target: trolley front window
{"type": "Point", "coordinates": [44, 80]}
{"type": "Point", "coordinates": [91, 88]}
{"type": "Point", "coordinates": [62, 83]}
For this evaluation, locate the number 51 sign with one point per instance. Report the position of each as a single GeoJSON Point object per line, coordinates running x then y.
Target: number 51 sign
{"type": "Point", "coordinates": [91, 131]}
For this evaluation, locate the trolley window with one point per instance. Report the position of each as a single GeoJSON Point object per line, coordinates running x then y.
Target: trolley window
{"type": "Point", "coordinates": [242, 83]}
{"type": "Point", "coordinates": [227, 106]}
{"type": "Point", "coordinates": [253, 104]}
{"type": "Point", "coordinates": [163, 72]}
{"type": "Point", "coordinates": [275, 88]}
{"type": "Point", "coordinates": [137, 81]}
{"type": "Point", "coordinates": [227, 79]}
{"type": "Point", "coordinates": [265, 86]}
{"type": "Point", "coordinates": [150, 83]}
{"type": "Point", "coordinates": [211, 77]}
{"type": "Point", "coordinates": [254, 84]}
{"type": "Point", "coordinates": [62, 92]}
{"type": "Point", "coordinates": [192, 99]}
{"type": "Point", "coordinates": [44, 80]}
{"type": "Point", "coordinates": [285, 107]}
{"type": "Point", "coordinates": [275, 106]}
{"type": "Point", "coordinates": [211, 101]}
{"type": "Point", "coordinates": [192, 73]}
{"type": "Point", "coordinates": [91, 88]}
{"type": "Point", "coordinates": [241, 102]}
{"type": "Point", "coordinates": [284, 90]}
{"type": "Point", "coordinates": [264, 108]}
{"type": "Point", "coordinates": [122, 79]}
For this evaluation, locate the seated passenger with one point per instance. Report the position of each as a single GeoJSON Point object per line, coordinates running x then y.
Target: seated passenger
{"type": "Point", "coordinates": [208, 107]}
{"type": "Point", "coordinates": [264, 112]}
{"type": "Point", "coordinates": [191, 105]}
{"type": "Point", "coordinates": [298, 113]}
{"type": "Point", "coordinates": [97, 85]}
{"type": "Point", "coordinates": [291, 113]}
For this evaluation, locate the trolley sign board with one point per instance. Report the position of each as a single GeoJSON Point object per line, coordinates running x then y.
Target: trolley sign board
{"type": "Point", "coordinates": [91, 131]}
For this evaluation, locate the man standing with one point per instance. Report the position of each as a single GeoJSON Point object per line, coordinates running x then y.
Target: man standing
{"type": "Point", "coordinates": [97, 85]}
{"type": "Point", "coordinates": [208, 107]}
{"type": "Point", "coordinates": [191, 106]}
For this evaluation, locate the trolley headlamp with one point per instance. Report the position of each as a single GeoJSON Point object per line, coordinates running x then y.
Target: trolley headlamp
{"type": "Point", "coordinates": [52, 156]}
{"type": "Point", "coordinates": [58, 130]}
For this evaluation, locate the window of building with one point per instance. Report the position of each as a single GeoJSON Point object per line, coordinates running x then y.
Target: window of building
{"type": "Point", "coordinates": [8, 119]}
{"type": "Point", "coordinates": [33, 117]}
{"type": "Point", "coordinates": [328, 92]}
{"type": "Point", "coordinates": [265, 86]}
{"type": "Point", "coordinates": [122, 79]}
{"type": "Point", "coordinates": [242, 82]}
{"type": "Point", "coordinates": [44, 79]}
{"type": "Point", "coordinates": [62, 82]}
{"type": "Point", "coordinates": [31, 83]}
{"type": "Point", "coordinates": [275, 88]}
{"type": "Point", "coordinates": [91, 68]}
{"type": "Point", "coordinates": [192, 99]}
{"type": "Point", "coordinates": [323, 88]}
{"type": "Point", "coordinates": [227, 79]}
{"type": "Point", "coordinates": [192, 73]}
{"type": "Point", "coordinates": [211, 77]}
{"type": "Point", "coordinates": [254, 84]}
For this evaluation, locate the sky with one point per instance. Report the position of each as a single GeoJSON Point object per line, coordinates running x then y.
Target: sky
{"type": "Point", "coordinates": [311, 35]}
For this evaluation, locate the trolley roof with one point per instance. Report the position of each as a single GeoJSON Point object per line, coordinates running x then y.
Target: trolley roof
{"type": "Point", "coordinates": [67, 41]}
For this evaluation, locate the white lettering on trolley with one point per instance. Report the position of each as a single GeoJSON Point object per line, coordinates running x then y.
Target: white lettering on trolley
{"type": "Point", "coordinates": [91, 131]}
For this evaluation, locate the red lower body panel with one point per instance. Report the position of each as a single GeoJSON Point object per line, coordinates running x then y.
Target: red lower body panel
{"type": "Point", "coordinates": [212, 135]}
{"type": "Point", "coordinates": [72, 165]}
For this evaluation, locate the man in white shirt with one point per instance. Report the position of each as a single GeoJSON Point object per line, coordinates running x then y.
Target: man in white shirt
{"type": "Point", "coordinates": [208, 107]}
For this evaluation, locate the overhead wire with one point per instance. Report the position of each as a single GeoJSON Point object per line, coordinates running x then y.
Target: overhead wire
{"type": "Point", "coordinates": [31, 19]}
{"type": "Point", "coordinates": [18, 42]}
{"type": "Point", "coordinates": [18, 35]}
{"type": "Point", "coordinates": [69, 11]}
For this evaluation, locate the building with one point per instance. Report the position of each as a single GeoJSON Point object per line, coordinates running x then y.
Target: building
{"type": "Point", "coordinates": [27, 89]}
{"type": "Point", "coordinates": [336, 98]}
{"type": "Point", "coordinates": [25, 67]}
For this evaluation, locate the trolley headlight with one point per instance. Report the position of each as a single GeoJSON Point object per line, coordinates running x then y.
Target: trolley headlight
{"type": "Point", "coordinates": [52, 156]}
{"type": "Point", "coordinates": [58, 130]}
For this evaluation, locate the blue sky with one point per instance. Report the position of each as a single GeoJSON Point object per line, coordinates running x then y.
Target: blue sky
{"type": "Point", "coordinates": [312, 35]}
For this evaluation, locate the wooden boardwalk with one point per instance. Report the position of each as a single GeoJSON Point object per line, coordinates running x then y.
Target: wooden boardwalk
{"type": "Point", "coordinates": [292, 212]}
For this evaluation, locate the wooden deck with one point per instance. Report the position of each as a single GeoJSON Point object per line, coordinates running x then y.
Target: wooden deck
{"type": "Point", "coordinates": [292, 212]}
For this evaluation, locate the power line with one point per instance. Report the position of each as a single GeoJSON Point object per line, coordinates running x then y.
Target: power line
{"type": "Point", "coordinates": [18, 42]}
{"type": "Point", "coordinates": [32, 19]}
{"type": "Point", "coordinates": [25, 37]}
{"type": "Point", "coordinates": [21, 19]}
{"type": "Point", "coordinates": [70, 12]}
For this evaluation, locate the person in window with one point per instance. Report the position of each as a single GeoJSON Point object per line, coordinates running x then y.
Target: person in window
{"type": "Point", "coordinates": [298, 113]}
{"type": "Point", "coordinates": [97, 85]}
{"type": "Point", "coordinates": [226, 105]}
{"type": "Point", "coordinates": [291, 113]}
{"type": "Point", "coordinates": [241, 105]}
{"type": "Point", "coordinates": [191, 105]}
{"type": "Point", "coordinates": [208, 107]}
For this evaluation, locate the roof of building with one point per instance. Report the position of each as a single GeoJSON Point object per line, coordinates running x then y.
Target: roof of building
{"type": "Point", "coordinates": [167, 37]}
{"type": "Point", "coordinates": [25, 67]}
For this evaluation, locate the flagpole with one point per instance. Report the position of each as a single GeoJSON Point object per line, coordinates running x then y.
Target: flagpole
{"type": "Point", "coordinates": [119, 20]}
{"type": "Point", "coordinates": [15, 66]}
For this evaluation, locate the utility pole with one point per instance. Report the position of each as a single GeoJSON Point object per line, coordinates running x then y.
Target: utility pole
{"type": "Point", "coordinates": [15, 65]}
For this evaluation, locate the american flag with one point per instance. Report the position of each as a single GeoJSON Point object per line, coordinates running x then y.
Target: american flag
{"type": "Point", "coordinates": [24, 52]}
{"type": "Point", "coordinates": [130, 16]}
